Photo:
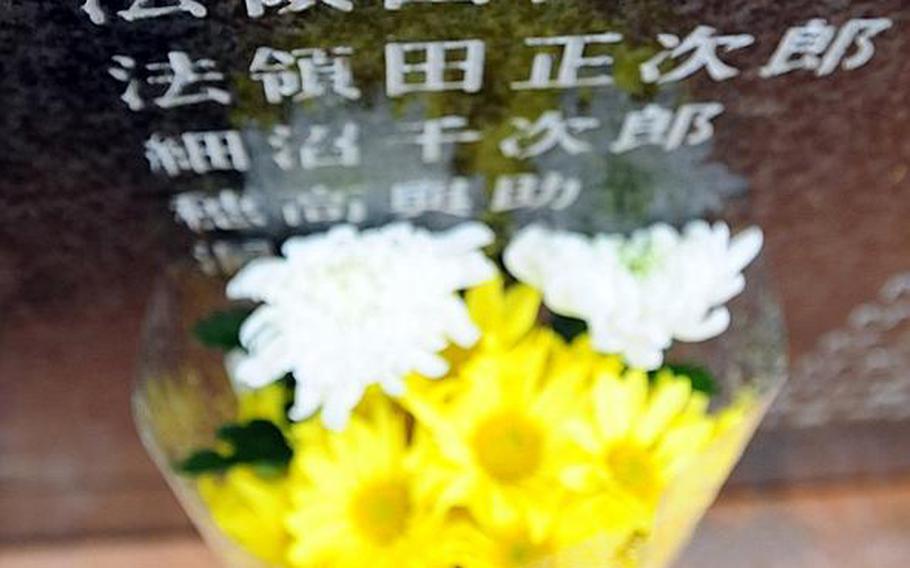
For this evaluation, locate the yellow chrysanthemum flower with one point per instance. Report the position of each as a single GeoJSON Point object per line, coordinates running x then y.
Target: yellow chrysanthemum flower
{"type": "Point", "coordinates": [640, 435]}
{"type": "Point", "coordinates": [359, 498]}
{"type": "Point", "coordinates": [503, 315]}
{"type": "Point", "coordinates": [497, 434]}
{"type": "Point", "coordinates": [530, 452]}
{"type": "Point", "coordinates": [694, 489]}
{"type": "Point", "coordinates": [589, 531]}
{"type": "Point", "coordinates": [250, 509]}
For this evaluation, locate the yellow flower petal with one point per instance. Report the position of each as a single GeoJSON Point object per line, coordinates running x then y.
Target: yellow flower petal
{"type": "Point", "coordinates": [667, 401]}
{"type": "Point", "coordinates": [522, 305]}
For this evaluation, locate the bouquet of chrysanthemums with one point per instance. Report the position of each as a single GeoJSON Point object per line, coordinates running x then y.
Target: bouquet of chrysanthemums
{"type": "Point", "coordinates": [406, 401]}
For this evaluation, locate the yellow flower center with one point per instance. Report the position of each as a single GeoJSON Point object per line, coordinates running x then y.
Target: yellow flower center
{"type": "Point", "coordinates": [382, 510]}
{"type": "Point", "coordinates": [520, 550]}
{"type": "Point", "coordinates": [509, 446]}
{"type": "Point", "coordinates": [633, 466]}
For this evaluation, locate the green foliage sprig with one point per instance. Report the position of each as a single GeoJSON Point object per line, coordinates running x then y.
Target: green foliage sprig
{"type": "Point", "coordinates": [257, 443]}
{"type": "Point", "coordinates": [221, 330]}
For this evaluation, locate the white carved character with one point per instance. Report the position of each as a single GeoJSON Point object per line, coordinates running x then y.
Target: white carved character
{"type": "Point", "coordinates": [95, 12]}
{"type": "Point", "coordinates": [549, 131]}
{"type": "Point", "coordinates": [821, 47]}
{"type": "Point", "coordinates": [227, 210]}
{"type": "Point", "coordinates": [655, 125]}
{"type": "Point", "coordinates": [304, 73]}
{"type": "Point", "coordinates": [256, 8]}
{"type": "Point", "coordinates": [436, 59]}
{"type": "Point", "coordinates": [434, 134]}
{"type": "Point", "coordinates": [197, 152]}
{"type": "Point", "coordinates": [323, 205]}
{"type": "Point", "coordinates": [142, 9]}
{"type": "Point", "coordinates": [552, 190]}
{"type": "Point", "coordinates": [320, 148]}
{"type": "Point", "coordinates": [701, 46]}
{"type": "Point", "coordinates": [397, 4]}
{"type": "Point", "coordinates": [416, 197]}
{"type": "Point", "coordinates": [187, 81]}
{"type": "Point", "coordinates": [225, 257]}
{"type": "Point", "coordinates": [124, 70]}
{"type": "Point", "coordinates": [572, 63]}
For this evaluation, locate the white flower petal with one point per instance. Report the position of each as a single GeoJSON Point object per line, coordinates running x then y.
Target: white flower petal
{"type": "Point", "coordinates": [644, 357]}
{"type": "Point", "coordinates": [307, 400]}
{"type": "Point", "coordinates": [474, 271]}
{"type": "Point", "coordinates": [393, 385]}
{"type": "Point", "coordinates": [257, 280]}
{"type": "Point", "coordinates": [523, 257]}
{"type": "Point", "coordinates": [638, 293]}
{"type": "Point", "coordinates": [257, 371]}
{"type": "Point", "coordinates": [717, 322]}
{"type": "Point", "coordinates": [232, 361]}
{"type": "Point", "coordinates": [744, 248]}
{"type": "Point", "coordinates": [462, 329]}
{"type": "Point", "coordinates": [429, 365]}
{"type": "Point", "coordinates": [335, 416]}
{"type": "Point", "coordinates": [348, 309]}
{"type": "Point", "coordinates": [261, 329]}
{"type": "Point", "coordinates": [339, 405]}
{"type": "Point", "coordinates": [563, 295]}
{"type": "Point", "coordinates": [730, 289]}
{"type": "Point", "coordinates": [466, 237]}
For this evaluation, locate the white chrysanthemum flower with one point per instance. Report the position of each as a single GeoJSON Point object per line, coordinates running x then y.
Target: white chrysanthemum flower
{"type": "Point", "coordinates": [346, 309]}
{"type": "Point", "coordinates": [637, 294]}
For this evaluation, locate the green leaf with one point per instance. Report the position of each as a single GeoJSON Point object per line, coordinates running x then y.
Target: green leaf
{"type": "Point", "coordinates": [702, 380]}
{"type": "Point", "coordinates": [258, 443]}
{"type": "Point", "coordinates": [568, 328]}
{"type": "Point", "coordinates": [221, 330]}
{"type": "Point", "coordinates": [204, 461]}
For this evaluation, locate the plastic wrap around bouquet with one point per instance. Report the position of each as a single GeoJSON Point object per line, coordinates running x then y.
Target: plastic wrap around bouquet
{"type": "Point", "coordinates": [395, 396]}
{"type": "Point", "coordinates": [502, 322]}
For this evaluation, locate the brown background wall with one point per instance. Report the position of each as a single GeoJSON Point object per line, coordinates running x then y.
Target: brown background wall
{"type": "Point", "coordinates": [829, 167]}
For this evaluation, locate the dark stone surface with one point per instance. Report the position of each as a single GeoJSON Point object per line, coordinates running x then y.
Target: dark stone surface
{"type": "Point", "coordinates": [84, 226]}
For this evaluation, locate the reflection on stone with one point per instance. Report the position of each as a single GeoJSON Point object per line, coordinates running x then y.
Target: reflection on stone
{"type": "Point", "coordinates": [270, 118]}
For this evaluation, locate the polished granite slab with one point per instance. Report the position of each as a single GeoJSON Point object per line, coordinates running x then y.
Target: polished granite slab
{"type": "Point", "coordinates": [820, 161]}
